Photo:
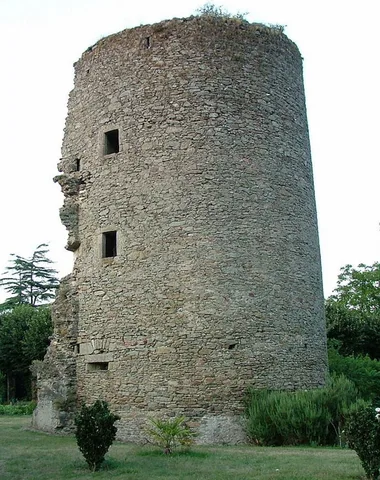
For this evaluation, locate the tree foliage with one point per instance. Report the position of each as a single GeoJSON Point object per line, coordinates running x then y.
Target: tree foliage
{"type": "Point", "coordinates": [358, 289]}
{"type": "Point", "coordinates": [353, 312]}
{"type": "Point", "coordinates": [30, 280]}
{"type": "Point", "coordinates": [24, 337]}
{"type": "Point", "coordinates": [361, 370]}
{"type": "Point", "coordinates": [363, 434]}
{"type": "Point", "coordinates": [12, 328]}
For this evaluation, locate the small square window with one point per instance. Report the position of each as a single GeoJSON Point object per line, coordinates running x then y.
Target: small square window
{"type": "Point", "coordinates": [109, 244]}
{"type": "Point", "coordinates": [111, 142]}
{"type": "Point", "coordinates": [96, 366]}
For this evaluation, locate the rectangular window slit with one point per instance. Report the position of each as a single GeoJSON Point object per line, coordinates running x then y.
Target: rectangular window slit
{"type": "Point", "coordinates": [96, 366]}
{"type": "Point", "coordinates": [111, 142]}
{"type": "Point", "coordinates": [109, 244]}
{"type": "Point", "coordinates": [147, 42]}
{"type": "Point", "coordinates": [77, 164]}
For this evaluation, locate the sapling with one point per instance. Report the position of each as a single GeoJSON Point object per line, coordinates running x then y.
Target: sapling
{"type": "Point", "coordinates": [169, 434]}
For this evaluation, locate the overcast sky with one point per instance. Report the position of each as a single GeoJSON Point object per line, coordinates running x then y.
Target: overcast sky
{"type": "Point", "coordinates": [41, 39]}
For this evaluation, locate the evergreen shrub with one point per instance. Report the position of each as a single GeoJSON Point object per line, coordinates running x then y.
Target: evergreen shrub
{"type": "Point", "coordinates": [95, 432]}
{"type": "Point", "coordinates": [312, 417]}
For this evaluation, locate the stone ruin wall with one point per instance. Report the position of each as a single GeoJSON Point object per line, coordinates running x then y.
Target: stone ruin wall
{"type": "Point", "coordinates": [216, 285]}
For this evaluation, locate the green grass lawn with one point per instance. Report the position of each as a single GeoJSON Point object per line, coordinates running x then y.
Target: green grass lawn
{"type": "Point", "coordinates": [29, 455]}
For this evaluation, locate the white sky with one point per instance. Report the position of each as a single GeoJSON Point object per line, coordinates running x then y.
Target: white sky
{"type": "Point", "coordinates": [41, 39]}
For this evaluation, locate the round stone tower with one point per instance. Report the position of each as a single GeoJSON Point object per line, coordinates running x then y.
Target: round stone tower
{"type": "Point", "coordinates": [190, 206]}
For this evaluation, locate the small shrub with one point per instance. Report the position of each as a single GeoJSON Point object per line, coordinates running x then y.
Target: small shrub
{"type": "Point", "coordinates": [338, 396]}
{"type": "Point", "coordinates": [171, 433]}
{"type": "Point", "coordinates": [18, 408]}
{"type": "Point", "coordinates": [211, 10]}
{"type": "Point", "coordinates": [95, 432]}
{"type": "Point", "coordinates": [362, 431]}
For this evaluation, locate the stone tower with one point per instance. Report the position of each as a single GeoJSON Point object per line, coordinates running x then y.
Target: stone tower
{"type": "Point", "coordinates": [190, 207]}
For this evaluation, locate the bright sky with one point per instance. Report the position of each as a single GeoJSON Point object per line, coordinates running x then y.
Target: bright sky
{"type": "Point", "coordinates": [41, 39]}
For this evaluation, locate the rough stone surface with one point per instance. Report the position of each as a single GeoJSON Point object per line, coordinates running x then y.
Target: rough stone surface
{"type": "Point", "coordinates": [216, 285]}
{"type": "Point", "coordinates": [56, 376]}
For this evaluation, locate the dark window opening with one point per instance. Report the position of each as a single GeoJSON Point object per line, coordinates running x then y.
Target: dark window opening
{"type": "Point", "coordinates": [111, 142]}
{"type": "Point", "coordinates": [96, 366]}
{"type": "Point", "coordinates": [109, 244]}
{"type": "Point", "coordinates": [231, 346]}
{"type": "Point", "coordinates": [147, 42]}
{"type": "Point", "coordinates": [77, 164]}
{"type": "Point", "coordinates": [77, 347]}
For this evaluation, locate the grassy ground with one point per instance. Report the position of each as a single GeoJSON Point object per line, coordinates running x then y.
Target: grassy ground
{"type": "Point", "coordinates": [29, 455]}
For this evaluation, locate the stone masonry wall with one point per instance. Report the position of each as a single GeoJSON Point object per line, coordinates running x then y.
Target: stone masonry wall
{"type": "Point", "coordinates": [56, 376]}
{"type": "Point", "coordinates": [216, 284]}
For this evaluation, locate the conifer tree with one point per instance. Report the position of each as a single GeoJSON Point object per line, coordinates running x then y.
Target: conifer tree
{"type": "Point", "coordinates": [30, 280]}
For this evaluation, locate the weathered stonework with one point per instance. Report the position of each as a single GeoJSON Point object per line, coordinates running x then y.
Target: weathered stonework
{"type": "Point", "coordinates": [56, 376]}
{"type": "Point", "coordinates": [216, 282]}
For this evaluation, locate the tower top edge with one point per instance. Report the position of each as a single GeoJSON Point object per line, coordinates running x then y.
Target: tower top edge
{"type": "Point", "coordinates": [207, 24]}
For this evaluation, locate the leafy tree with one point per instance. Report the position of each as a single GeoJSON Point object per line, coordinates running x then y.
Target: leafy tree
{"type": "Point", "coordinates": [353, 312]}
{"type": "Point", "coordinates": [36, 336]}
{"type": "Point", "coordinates": [12, 329]}
{"type": "Point", "coordinates": [30, 280]}
{"type": "Point", "coordinates": [361, 370]}
{"type": "Point", "coordinates": [2, 387]}
{"type": "Point", "coordinates": [352, 332]}
{"type": "Point", "coordinates": [358, 289]}
{"type": "Point", "coordinates": [24, 337]}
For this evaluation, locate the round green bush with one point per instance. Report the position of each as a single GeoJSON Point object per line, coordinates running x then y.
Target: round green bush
{"type": "Point", "coordinates": [362, 431]}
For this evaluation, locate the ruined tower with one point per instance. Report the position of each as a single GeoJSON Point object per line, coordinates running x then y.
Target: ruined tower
{"type": "Point", "coordinates": [190, 207]}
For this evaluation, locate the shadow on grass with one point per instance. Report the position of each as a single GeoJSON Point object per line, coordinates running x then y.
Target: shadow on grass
{"type": "Point", "coordinates": [110, 464]}
{"type": "Point", "coordinates": [183, 454]}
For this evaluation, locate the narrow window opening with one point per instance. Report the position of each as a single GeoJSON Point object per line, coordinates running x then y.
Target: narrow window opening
{"type": "Point", "coordinates": [147, 42]}
{"type": "Point", "coordinates": [96, 366]}
{"type": "Point", "coordinates": [109, 244]}
{"type": "Point", "coordinates": [111, 142]}
{"type": "Point", "coordinates": [77, 348]}
{"type": "Point", "coordinates": [231, 346]}
{"type": "Point", "coordinates": [77, 164]}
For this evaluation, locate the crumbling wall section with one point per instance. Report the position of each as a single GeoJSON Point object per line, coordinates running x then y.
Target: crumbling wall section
{"type": "Point", "coordinates": [56, 375]}
{"type": "Point", "coordinates": [73, 182]}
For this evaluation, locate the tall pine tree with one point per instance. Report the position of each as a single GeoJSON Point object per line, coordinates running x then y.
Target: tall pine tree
{"type": "Point", "coordinates": [30, 280]}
